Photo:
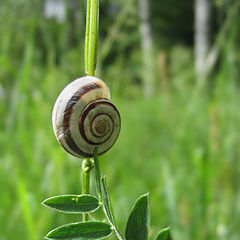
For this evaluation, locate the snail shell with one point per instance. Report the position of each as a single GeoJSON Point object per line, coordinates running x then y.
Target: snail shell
{"type": "Point", "coordinates": [83, 117]}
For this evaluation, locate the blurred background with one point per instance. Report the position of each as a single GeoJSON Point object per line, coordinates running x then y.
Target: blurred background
{"type": "Point", "coordinates": [173, 70]}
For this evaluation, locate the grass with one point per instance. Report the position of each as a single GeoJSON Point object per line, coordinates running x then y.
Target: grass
{"type": "Point", "coordinates": [182, 148]}
{"type": "Point", "coordinates": [185, 152]}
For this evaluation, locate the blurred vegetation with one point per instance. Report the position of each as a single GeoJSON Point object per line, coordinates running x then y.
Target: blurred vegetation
{"type": "Point", "coordinates": [182, 143]}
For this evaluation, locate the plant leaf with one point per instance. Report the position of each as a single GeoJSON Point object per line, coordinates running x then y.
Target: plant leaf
{"type": "Point", "coordinates": [164, 234]}
{"type": "Point", "coordinates": [138, 221]}
{"type": "Point", "coordinates": [107, 207]}
{"type": "Point", "coordinates": [80, 231]}
{"type": "Point", "coordinates": [106, 201]}
{"type": "Point", "coordinates": [73, 203]}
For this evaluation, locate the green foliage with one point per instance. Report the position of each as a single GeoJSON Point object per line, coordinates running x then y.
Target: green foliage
{"type": "Point", "coordinates": [81, 231]}
{"type": "Point", "coordinates": [139, 220]}
{"type": "Point", "coordinates": [184, 145]}
{"type": "Point", "coordinates": [73, 203]}
{"type": "Point", "coordinates": [137, 225]}
{"type": "Point", "coordinates": [106, 201]}
{"type": "Point", "coordinates": [107, 207]}
{"type": "Point", "coordinates": [164, 234]}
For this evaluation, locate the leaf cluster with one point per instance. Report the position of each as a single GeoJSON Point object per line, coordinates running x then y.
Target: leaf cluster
{"type": "Point", "coordinates": [138, 223]}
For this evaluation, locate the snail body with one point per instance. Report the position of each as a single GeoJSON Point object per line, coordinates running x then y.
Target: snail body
{"type": "Point", "coordinates": [84, 118]}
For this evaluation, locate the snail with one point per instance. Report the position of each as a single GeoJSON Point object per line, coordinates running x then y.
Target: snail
{"type": "Point", "coordinates": [84, 118]}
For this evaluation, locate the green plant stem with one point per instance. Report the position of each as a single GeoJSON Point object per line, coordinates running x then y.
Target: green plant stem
{"type": "Point", "coordinates": [91, 40]}
{"type": "Point", "coordinates": [87, 166]}
{"type": "Point", "coordinates": [97, 173]}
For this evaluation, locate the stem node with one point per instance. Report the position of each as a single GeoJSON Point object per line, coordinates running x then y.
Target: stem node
{"type": "Point", "coordinates": [87, 166]}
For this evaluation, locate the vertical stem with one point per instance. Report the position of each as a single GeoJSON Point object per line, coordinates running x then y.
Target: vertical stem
{"type": "Point", "coordinates": [87, 166]}
{"type": "Point", "coordinates": [91, 40]}
{"type": "Point", "coordinates": [97, 173]}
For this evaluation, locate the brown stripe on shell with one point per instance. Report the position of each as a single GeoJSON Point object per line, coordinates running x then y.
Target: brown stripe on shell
{"type": "Point", "coordinates": [67, 117]}
{"type": "Point", "coordinates": [117, 134]}
{"type": "Point", "coordinates": [58, 129]}
{"type": "Point", "coordinates": [61, 142]}
{"type": "Point", "coordinates": [85, 113]}
{"type": "Point", "coordinates": [93, 121]}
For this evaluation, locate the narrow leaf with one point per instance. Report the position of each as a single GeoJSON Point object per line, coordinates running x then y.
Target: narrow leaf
{"type": "Point", "coordinates": [138, 221]}
{"type": "Point", "coordinates": [81, 231]}
{"type": "Point", "coordinates": [73, 203]}
{"type": "Point", "coordinates": [164, 234]}
{"type": "Point", "coordinates": [106, 201]}
{"type": "Point", "coordinates": [107, 207]}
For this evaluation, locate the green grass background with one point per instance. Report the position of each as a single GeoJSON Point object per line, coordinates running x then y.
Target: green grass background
{"type": "Point", "coordinates": [181, 145]}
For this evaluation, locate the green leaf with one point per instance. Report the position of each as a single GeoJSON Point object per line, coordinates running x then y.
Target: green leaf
{"type": "Point", "coordinates": [164, 234]}
{"type": "Point", "coordinates": [106, 201]}
{"type": "Point", "coordinates": [138, 221]}
{"type": "Point", "coordinates": [107, 207]}
{"type": "Point", "coordinates": [73, 203]}
{"type": "Point", "coordinates": [81, 231]}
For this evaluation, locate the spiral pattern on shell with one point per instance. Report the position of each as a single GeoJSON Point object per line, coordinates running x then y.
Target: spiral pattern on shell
{"type": "Point", "coordinates": [83, 117]}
